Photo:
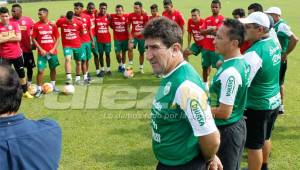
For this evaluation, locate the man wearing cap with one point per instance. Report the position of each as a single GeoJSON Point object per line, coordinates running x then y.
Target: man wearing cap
{"type": "Point", "coordinates": [263, 98]}
{"type": "Point", "coordinates": [287, 41]}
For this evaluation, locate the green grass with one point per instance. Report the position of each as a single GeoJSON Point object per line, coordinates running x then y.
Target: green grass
{"type": "Point", "coordinates": [100, 138]}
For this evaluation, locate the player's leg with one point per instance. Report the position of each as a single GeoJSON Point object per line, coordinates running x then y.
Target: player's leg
{"type": "Point", "coordinates": [206, 64]}
{"type": "Point", "coordinates": [101, 53]}
{"type": "Point", "coordinates": [124, 49]}
{"type": "Point", "coordinates": [84, 51]}
{"type": "Point", "coordinates": [107, 58]}
{"type": "Point", "coordinates": [68, 53]}
{"type": "Point", "coordinates": [53, 63]}
{"type": "Point", "coordinates": [29, 64]}
{"type": "Point", "coordinates": [96, 56]}
{"type": "Point", "coordinates": [19, 67]}
{"type": "Point", "coordinates": [131, 46]}
{"type": "Point", "coordinates": [88, 57]}
{"type": "Point", "coordinates": [141, 49]}
{"type": "Point", "coordinates": [78, 57]}
{"type": "Point", "coordinates": [42, 61]}
{"type": "Point", "coordinates": [282, 72]}
{"type": "Point", "coordinates": [117, 45]}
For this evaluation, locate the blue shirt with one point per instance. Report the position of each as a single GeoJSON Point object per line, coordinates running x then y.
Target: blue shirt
{"type": "Point", "coordinates": [27, 144]}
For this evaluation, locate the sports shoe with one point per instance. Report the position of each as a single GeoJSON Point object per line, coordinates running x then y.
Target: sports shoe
{"type": "Point", "coordinates": [142, 71]}
{"type": "Point", "coordinates": [89, 77]}
{"type": "Point", "coordinates": [79, 83]}
{"type": "Point", "coordinates": [281, 109]}
{"type": "Point", "coordinates": [69, 81]}
{"type": "Point", "coordinates": [27, 95]}
{"type": "Point", "coordinates": [101, 74]}
{"type": "Point", "coordinates": [86, 82]}
{"type": "Point", "coordinates": [56, 90]}
{"type": "Point", "coordinates": [120, 69]}
{"type": "Point", "coordinates": [108, 73]}
{"type": "Point", "coordinates": [38, 94]}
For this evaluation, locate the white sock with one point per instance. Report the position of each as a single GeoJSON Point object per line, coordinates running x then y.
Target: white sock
{"type": "Point", "coordinates": [69, 76]}
{"type": "Point", "coordinates": [102, 68]}
{"type": "Point", "coordinates": [77, 78]}
{"type": "Point", "coordinates": [39, 88]}
{"type": "Point", "coordinates": [28, 83]}
{"type": "Point", "coordinates": [108, 68]}
{"type": "Point", "coordinates": [130, 62]}
{"type": "Point", "coordinates": [85, 77]}
{"type": "Point", "coordinates": [97, 71]}
{"type": "Point", "coordinates": [123, 65]}
{"type": "Point", "coordinates": [53, 83]}
{"type": "Point", "coordinates": [141, 66]}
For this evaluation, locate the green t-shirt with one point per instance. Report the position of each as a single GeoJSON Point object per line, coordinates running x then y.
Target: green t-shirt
{"type": "Point", "coordinates": [180, 114]}
{"type": "Point", "coordinates": [229, 86]}
{"type": "Point", "coordinates": [264, 59]}
{"type": "Point", "coordinates": [284, 33]}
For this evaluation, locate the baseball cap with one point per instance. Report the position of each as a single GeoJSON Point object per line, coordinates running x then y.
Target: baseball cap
{"type": "Point", "coordinates": [259, 18]}
{"type": "Point", "coordinates": [273, 10]}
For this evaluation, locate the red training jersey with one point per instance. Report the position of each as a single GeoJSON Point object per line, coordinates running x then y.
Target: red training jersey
{"type": "Point", "coordinates": [102, 29]}
{"type": "Point", "coordinates": [138, 22]}
{"type": "Point", "coordinates": [175, 16]}
{"type": "Point", "coordinates": [70, 32]}
{"type": "Point", "coordinates": [86, 25]}
{"type": "Point", "coordinates": [194, 28]}
{"type": "Point", "coordinates": [46, 35]}
{"type": "Point", "coordinates": [10, 49]}
{"type": "Point", "coordinates": [26, 25]}
{"type": "Point", "coordinates": [211, 22]}
{"type": "Point", "coordinates": [92, 19]}
{"type": "Point", "coordinates": [119, 24]}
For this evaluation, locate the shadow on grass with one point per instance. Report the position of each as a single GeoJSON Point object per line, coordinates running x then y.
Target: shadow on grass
{"type": "Point", "coordinates": [143, 130]}
{"type": "Point", "coordinates": [133, 158]}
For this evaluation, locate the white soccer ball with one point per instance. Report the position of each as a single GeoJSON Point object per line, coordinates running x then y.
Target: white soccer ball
{"type": "Point", "coordinates": [128, 73]}
{"type": "Point", "coordinates": [68, 89]}
{"type": "Point", "coordinates": [47, 88]}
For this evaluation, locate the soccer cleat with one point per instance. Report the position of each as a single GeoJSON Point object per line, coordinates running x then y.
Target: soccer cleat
{"type": "Point", "coordinates": [86, 82]}
{"type": "Point", "coordinates": [108, 73]}
{"type": "Point", "coordinates": [281, 109]}
{"type": "Point", "coordinates": [142, 71]}
{"type": "Point", "coordinates": [27, 95]}
{"type": "Point", "coordinates": [56, 90]}
{"type": "Point", "coordinates": [89, 77]}
{"type": "Point", "coordinates": [120, 69]}
{"type": "Point", "coordinates": [101, 74]}
{"type": "Point", "coordinates": [69, 81]}
{"type": "Point", "coordinates": [79, 83]}
{"type": "Point", "coordinates": [38, 94]}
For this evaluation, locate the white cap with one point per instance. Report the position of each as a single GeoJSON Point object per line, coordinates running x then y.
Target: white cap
{"type": "Point", "coordinates": [259, 18]}
{"type": "Point", "coordinates": [273, 10]}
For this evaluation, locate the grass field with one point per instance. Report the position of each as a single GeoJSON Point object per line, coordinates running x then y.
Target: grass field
{"type": "Point", "coordinates": [97, 134]}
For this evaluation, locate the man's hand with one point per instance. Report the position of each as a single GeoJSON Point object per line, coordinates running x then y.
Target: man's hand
{"type": "Point", "coordinates": [284, 58]}
{"type": "Point", "coordinates": [130, 44]}
{"type": "Point", "coordinates": [43, 52]}
{"type": "Point", "coordinates": [215, 164]}
{"type": "Point", "coordinates": [52, 51]}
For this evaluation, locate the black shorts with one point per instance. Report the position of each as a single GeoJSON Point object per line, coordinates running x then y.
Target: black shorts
{"type": "Point", "coordinates": [283, 67]}
{"type": "Point", "coordinates": [28, 60]}
{"type": "Point", "coordinates": [260, 124]}
{"type": "Point", "coordinates": [233, 138]}
{"type": "Point", "coordinates": [18, 65]}
{"type": "Point", "coordinates": [198, 163]}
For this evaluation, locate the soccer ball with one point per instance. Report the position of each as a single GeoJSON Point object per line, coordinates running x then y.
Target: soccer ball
{"type": "Point", "coordinates": [32, 89]}
{"type": "Point", "coordinates": [68, 89]}
{"type": "Point", "coordinates": [47, 88]}
{"type": "Point", "coordinates": [128, 73]}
